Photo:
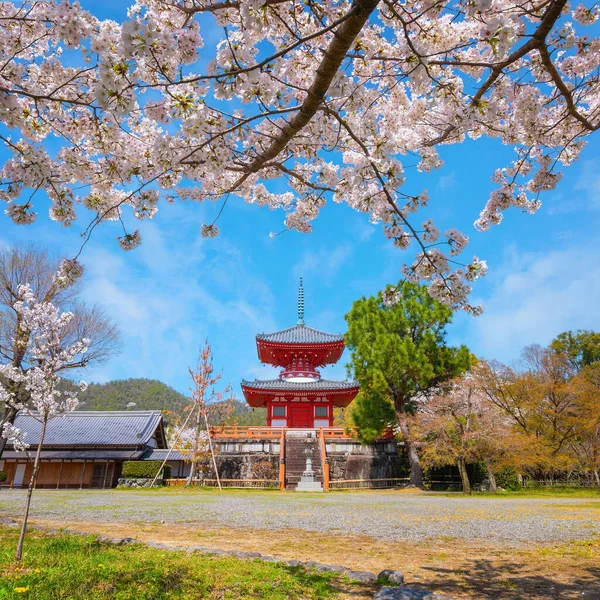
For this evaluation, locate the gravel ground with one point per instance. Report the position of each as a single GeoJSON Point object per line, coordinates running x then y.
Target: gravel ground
{"type": "Point", "coordinates": [398, 516]}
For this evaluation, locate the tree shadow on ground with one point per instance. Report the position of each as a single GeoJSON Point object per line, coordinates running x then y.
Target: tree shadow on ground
{"type": "Point", "coordinates": [513, 581]}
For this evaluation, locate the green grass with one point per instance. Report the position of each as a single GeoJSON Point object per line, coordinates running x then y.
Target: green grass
{"type": "Point", "coordinates": [176, 489]}
{"type": "Point", "coordinates": [537, 492]}
{"type": "Point", "coordinates": [69, 566]}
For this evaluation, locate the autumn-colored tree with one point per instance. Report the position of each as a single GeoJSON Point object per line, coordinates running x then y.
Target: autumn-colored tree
{"type": "Point", "coordinates": [538, 399]}
{"type": "Point", "coordinates": [399, 354]}
{"type": "Point", "coordinates": [585, 387]}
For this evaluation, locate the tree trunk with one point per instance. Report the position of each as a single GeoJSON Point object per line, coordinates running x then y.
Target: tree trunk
{"type": "Point", "coordinates": [36, 468]}
{"type": "Point", "coordinates": [464, 477]}
{"type": "Point", "coordinates": [193, 467]}
{"type": "Point", "coordinates": [9, 416]}
{"type": "Point", "coordinates": [596, 477]}
{"type": "Point", "coordinates": [491, 477]}
{"type": "Point", "coordinates": [416, 472]}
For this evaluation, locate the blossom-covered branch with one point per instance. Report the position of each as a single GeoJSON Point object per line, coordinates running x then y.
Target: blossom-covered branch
{"type": "Point", "coordinates": [327, 97]}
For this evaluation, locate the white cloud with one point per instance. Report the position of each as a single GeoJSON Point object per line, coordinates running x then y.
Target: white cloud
{"type": "Point", "coordinates": [168, 301]}
{"type": "Point", "coordinates": [538, 295]}
{"type": "Point", "coordinates": [446, 182]}
{"type": "Point", "coordinates": [326, 262]}
{"type": "Point", "coordinates": [587, 192]}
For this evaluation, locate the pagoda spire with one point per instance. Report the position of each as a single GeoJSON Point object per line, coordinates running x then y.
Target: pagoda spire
{"type": "Point", "coordinates": [300, 304]}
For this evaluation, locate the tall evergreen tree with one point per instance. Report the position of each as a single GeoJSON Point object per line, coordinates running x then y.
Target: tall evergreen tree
{"type": "Point", "coordinates": [581, 347]}
{"type": "Point", "coordinates": [399, 356]}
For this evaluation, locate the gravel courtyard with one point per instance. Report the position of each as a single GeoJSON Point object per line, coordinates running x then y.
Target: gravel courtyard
{"type": "Point", "coordinates": [387, 515]}
{"type": "Point", "coordinates": [509, 548]}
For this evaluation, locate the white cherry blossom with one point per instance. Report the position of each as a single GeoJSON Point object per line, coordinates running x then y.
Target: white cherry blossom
{"type": "Point", "coordinates": [296, 104]}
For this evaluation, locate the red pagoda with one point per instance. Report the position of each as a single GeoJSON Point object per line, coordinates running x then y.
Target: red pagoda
{"type": "Point", "coordinates": [299, 398]}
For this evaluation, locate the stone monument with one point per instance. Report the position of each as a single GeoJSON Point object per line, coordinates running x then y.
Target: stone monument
{"type": "Point", "coordinates": [307, 482]}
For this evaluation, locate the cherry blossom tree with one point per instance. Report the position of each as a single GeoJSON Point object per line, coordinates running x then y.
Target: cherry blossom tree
{"type": "Point", "coordinates": [298, 103]}
{"type": "Point", "coordinates": [49, 354]}
{"type": "Point", "coordinates": [461, 426]}
{"type": "Point", "coordinates": [51, 281]}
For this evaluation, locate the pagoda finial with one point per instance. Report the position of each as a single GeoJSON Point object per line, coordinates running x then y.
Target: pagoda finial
{"type": "Point", "coordinates": [300, 304]}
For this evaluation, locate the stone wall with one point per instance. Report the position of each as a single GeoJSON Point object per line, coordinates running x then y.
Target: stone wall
{"type": "Point", "coordinates": [351, 460]}
{"type": "Point", "coordinates": [137, 482]}
{"type": "Point", "coordinates": [247, 459]}
{"type": "Point", "coordinates": [348, 459]}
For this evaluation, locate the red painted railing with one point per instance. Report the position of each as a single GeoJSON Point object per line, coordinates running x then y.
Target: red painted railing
{"type": "Point", "coordinates": [229, 431]}
{"type": "Point", "coordinates": [235, 431]}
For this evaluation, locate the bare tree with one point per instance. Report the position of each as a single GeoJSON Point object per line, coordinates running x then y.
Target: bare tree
{"type": "Point", "coordinates": [34, 267]}
{"type": "Point", "coordinates": [204, 396]}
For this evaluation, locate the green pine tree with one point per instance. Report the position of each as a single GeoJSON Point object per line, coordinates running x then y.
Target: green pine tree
{"type": "Point", "coordinates": [399, 354]}
{"type": "Point", "coordinates": [581, 347]}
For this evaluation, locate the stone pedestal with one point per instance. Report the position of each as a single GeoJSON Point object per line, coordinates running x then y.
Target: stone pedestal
{"type": "Point", "coordinates": [307, 482]}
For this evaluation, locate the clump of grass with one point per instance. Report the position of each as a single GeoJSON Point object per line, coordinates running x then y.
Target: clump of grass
{"type": "Point", "coordinates": [69, 567]}
{"type": "Point", "coordinates": [588, 548]}
{"type": "Point", "coordinates": [534, 492]}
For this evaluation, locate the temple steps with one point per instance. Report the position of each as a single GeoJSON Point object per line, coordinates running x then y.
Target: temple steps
{"type": "Point", "coordinates": [298, 447]}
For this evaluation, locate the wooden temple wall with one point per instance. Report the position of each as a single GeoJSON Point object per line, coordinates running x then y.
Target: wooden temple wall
{"type": "Point", "coordinates": [61, 474]}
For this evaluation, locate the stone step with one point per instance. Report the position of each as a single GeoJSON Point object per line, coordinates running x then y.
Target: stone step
{"type": "Point", "coordinates": [297, 449]}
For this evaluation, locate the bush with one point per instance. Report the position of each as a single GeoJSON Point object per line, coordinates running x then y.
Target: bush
{"type": "Point", "coordinates": [264, 469]}
{"type": "Point", "coordinates": [3, 476]}
{"type": "Point", "coordinates": [144, 469]}
{"type": "Point", "coordinates": [507, 479]}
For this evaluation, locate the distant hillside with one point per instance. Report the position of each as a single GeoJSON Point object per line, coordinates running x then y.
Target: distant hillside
{"type": "Point", "coordinates": [151, 394]}
{"type": "Point", "coordinates": [148, 394]}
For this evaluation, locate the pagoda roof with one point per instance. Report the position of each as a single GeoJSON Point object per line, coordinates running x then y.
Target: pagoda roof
{"type": "Point", "coordinates": [259, 392]}
{"type": "Point", "coordinates": [295, 386]}
{"type": "Point", "coordinates": [300, 334]}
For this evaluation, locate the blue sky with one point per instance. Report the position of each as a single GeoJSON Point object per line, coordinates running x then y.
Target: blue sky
{"type": "Point", "coordinates": [179, 289]}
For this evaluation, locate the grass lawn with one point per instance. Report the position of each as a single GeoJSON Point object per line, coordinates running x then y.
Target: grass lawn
{"type": "Point", "coordinates": [70, 566]}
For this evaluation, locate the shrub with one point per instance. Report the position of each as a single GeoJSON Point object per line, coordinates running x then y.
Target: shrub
{"type": "Point", "coordinates": [144, 469]}
{"type": "Point", "coordinates": [264, 469]}
{"type": "Point", "coordinates": [507, 479]}
{"type": "Point", "coordinates": [3, 476]}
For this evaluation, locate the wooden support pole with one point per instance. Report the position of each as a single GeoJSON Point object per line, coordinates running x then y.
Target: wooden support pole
{"type": "Point", "coordinates": [324, 464]}
{"type": "Point", "coordinates": [105, 475]}
{"type": "Point", "coordinates": [62, 462]}
{"type": "Point", "coordinates": [282, 460]}
{"type": "Point", "coordinates": [212, 451]}
{"type": "Point", "coordinates": [82, 473]}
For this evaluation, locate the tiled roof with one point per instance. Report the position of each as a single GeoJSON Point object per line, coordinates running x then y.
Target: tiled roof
{"type": "Point", "coordinates": [300, 334]}
{"type": "Point", "coordinates": [93, 428]}
{"type": "Point", "coordinates": [161, 454]}
{"type": "Point", "coordinates": [281, 384]}
{"type": "Point", "coordinates": [97, 454]}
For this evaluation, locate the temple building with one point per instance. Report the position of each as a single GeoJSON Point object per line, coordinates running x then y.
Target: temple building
{"type": "Point", "coordinates": [299, 449]}
{"type": "Point", "coordinates": [83, 449]}
{"type": "Point", "coordinates": [299, 398]}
